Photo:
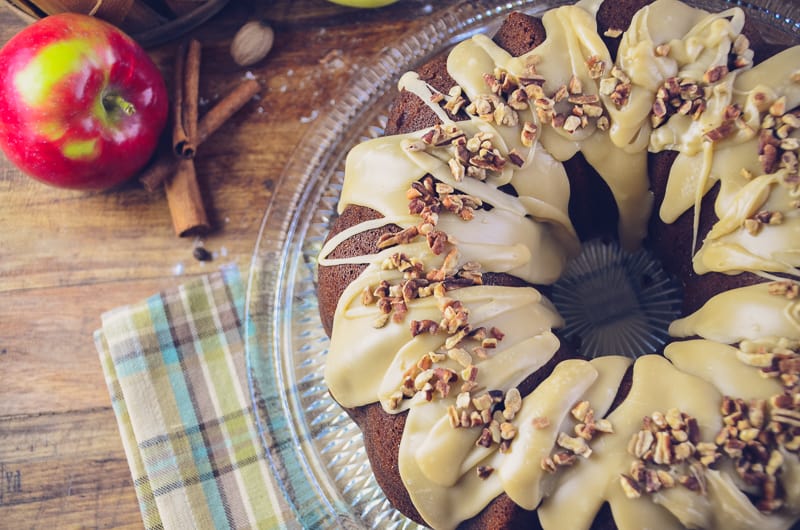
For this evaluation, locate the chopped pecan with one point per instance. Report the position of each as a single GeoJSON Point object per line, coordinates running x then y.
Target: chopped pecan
{"type": "Point", "coordinates": [564, 458]}
{"type": "Point", "coordinates": [403, 237]}
{"type": "Point", "coordinates": [715, 74]}
{"type": "Point", "coordinates": [641, 443]}
{"type": "Point", "coordinates": [512, 403]}
{"type": "Point", "coordinates": [580, 410]}
{"type": "Point", "coordinates": [621, 94]}
{"type": "Point", "coordinates": [548, 465]}
{"type": "Point", "coordinates": [484, 472]}
{"type": "Point", "coordinates": [423, 326]}
{"type": "Point", "coordinates": [575, 444]}
{"type": "Point", "coordinates": [596, 66]}
{"type": "Point", "coordinates": [529, 133]}
{"type": "Point", "coordinates": [720, 132]}
{"type": "Point", "coordinates": [515, 158]}
{"type": "Point", "coordinates": [631, 488]}
{"type": "Point", "coordinates": [663, 449]}
{"type": "Point", "coordinates": [786, 288]}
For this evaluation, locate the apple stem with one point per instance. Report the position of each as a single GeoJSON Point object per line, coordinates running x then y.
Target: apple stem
{"type": "Point", "coordinates": [111, 101]}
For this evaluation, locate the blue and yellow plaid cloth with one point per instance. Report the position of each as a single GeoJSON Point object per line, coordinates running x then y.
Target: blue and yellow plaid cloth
{"type": "Point", "coordinates": [176, 370]}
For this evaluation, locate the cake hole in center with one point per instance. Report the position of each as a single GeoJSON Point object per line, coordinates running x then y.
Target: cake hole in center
{"type": "Point", "coordinates": [616, 302]}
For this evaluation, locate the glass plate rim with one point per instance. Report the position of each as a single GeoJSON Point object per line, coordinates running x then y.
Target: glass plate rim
{"type": "Point", "coordinates": [279, 224]}
{"type": "Point", "coordinates": [270, 264]}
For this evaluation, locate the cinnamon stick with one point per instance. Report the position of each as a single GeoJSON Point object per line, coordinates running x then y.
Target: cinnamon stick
{"type": "Point", "coordinates": [179, 137]}
{"type": "Point", "coordinates": [158, 171]}
{"type": "Point", "coordinates": [226, 107]}
{"type": "Point", "coordinates": [183, 193]}
{"type": "Point", "coordinates": [165, 163]}
{"type": "Point", "coordinates": [161, 165]}
{"type": "Point", "coordinates": [185, 201]}
{"type": "Point", "coordinates": [191, 98]}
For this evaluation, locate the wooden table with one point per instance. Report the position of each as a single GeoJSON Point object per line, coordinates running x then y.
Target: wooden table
{"type": "Point", "coordinates": [68, 256]}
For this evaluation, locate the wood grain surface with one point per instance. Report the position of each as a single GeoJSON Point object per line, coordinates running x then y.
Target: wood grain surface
{"type": "Point", "coordinates": [67, 256]}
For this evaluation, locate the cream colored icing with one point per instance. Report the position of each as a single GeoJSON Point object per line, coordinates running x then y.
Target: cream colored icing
{"type": "Point", "coordinates": [718, 364]}
{"type": "Point", "coordinates": [714, 362]}
{"type": "Point", "coordinates": [582, 489]}
{"type": "Point", "coordinates": [454, 493]}
{"type": "Point", "coordinates": [546, 227]}
{"type": "Point", "coordinates": [700, 373]}
{"type": "Point", "coordinates": [572, 39]}
{"type": "Point", "coordinates": [746, 313]}
{"type": "Point", "coordinates": [530, 236]}
{"type": "Point", "coordinates": [527, 345]}
{"type": "Point", "coordinates": [729, 247]}
{"type": "Point", "coordinates": [724, 506]}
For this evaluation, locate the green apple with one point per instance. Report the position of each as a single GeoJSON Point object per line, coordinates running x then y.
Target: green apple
{"type": "Point", "coordinates": [363, 3]}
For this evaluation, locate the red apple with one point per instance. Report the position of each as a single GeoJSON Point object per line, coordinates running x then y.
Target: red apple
{"type": "Point", "coordinates": [81, 103]}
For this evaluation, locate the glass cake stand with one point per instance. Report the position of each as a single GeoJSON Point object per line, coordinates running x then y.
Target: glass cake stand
{"type": "Point", "coordinates": [314, 448]}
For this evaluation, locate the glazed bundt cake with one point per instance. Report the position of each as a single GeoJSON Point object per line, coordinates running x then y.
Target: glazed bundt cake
{"type": "Point", "coordinates": [655, 123]}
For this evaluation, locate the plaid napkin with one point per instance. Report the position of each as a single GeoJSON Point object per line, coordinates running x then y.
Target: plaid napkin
{"type": "Point", "coordinates": [176, 370]}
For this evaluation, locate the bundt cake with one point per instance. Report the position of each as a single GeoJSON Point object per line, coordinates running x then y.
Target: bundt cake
{"type": "Point", "coordinates": [656, 123]}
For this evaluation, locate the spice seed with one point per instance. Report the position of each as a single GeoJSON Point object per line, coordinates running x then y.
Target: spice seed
{"type": "Point", "coordinates": [201, 254]}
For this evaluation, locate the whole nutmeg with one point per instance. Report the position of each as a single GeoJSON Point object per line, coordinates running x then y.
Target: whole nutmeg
{"type": "Point", "coordinates": [252, 43]}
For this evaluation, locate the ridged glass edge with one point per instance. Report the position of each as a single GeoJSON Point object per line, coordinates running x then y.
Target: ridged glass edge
{"type": "Point", "coordinates": [269, 283]}
{"type": "Point", "coordinates": [280, 232]}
